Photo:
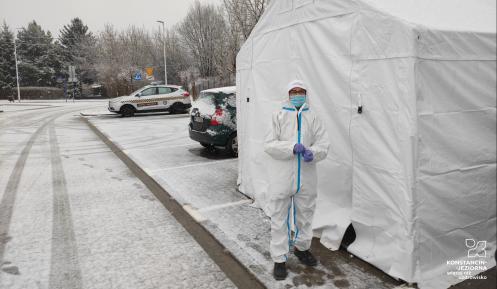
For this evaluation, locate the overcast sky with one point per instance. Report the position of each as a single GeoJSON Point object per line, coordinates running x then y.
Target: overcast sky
{"type": "Point", "coordinates": [54, 14]}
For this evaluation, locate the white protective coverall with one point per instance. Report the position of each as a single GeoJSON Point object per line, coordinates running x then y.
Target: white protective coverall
{"type": "Point", "coordinates": [288, 171]}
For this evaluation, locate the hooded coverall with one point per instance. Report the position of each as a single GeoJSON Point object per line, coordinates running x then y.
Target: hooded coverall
{"type": "Point", "coordinates": [292, 179]}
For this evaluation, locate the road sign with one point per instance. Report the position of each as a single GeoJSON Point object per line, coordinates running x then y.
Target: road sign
{"type": "Point", "coordinates": [138, 76]}
{"type": "Point", "coordinates": [150, 73]}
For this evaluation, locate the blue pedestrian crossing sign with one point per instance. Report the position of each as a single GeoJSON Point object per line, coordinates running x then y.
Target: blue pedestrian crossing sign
{"type": "Point", "coordinates": [138, 76]}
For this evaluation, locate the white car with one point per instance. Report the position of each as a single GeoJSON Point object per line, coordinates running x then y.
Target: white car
{"type": "Point", "coordinates": [152, 98]}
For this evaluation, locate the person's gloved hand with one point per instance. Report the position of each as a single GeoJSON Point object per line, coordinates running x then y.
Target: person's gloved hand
{"type": "Point", "coordinates": [308, 156]}
{"type": "Point", "coordinates": [298, 148]}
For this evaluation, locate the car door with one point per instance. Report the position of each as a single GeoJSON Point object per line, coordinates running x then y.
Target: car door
{"type": "Point", "coordinates": [165, 94]}
{"type": "Point", "coordinates": [147, 99]}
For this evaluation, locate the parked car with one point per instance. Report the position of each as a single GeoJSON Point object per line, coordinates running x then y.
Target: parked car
{"type": "Point", "coordinates": [152, 98]}
{"type": "Point", "coordinates": [213, 119]}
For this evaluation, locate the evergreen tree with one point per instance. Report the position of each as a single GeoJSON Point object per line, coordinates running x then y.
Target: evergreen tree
{"type": "Point", "coordinates": [78, 47]}
{"type": "Point", "coordinates": [39, 61]}
{"type": "Point", "coordinates": [7, 60]}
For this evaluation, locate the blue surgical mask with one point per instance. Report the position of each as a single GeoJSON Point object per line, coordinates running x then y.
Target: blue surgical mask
{"type": "Point", "coordinates": [298, 100]}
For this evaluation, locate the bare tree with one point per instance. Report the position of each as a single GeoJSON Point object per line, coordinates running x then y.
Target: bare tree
{"type": "Point", "coordinates": [203, 45]}
{"type": "Point", "coordinates": [241, 17]}
{"type": "Point", "coordinates": [244, 14]}
{"type": "Point", "coordinates": [178, 58]}
{"type": "Point", "coordinates": [123, 53]}
{"type": "Point", "coordinates": [203, 31]}
{"type": "Point", "coordinates": [109, 64]}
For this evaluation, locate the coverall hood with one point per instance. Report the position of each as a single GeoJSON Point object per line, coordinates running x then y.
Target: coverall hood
{"type": "Point", "coordinates": [297, 83]}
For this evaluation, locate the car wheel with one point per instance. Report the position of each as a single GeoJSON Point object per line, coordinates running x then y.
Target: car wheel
{"type": "Point", "coordinates": [205, 145]}
{"type": "Point", "coordinates": [175, 108]}
{"type": "Point", "coordinates": [127, 111]}
{"type": "Point", "coordinates": [232, 145]}
{"type": "Point", "coordinates": [178, 108]}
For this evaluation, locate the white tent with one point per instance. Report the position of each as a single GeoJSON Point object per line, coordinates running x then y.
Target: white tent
{"type": "Point", "coordinates": [415, 172]}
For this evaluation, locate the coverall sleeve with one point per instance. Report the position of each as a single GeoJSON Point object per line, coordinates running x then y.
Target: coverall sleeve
{"type": "Point", "coordinates": [276, 148]}
{"type": "Point", "coordinates": [321, 142]}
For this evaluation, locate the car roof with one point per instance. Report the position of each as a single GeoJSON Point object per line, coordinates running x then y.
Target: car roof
{"type": "Point", "coordinates": [226, 89]}
{"type": "Point", "coordinates": [162, 85]}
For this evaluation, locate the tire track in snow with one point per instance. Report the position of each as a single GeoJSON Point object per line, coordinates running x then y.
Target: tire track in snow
{"type": "Point", "coordinates": [8, 199]}
{"type": "Point", "coordinates": [64, 265]}
{"type": "Point", "coordinates": [31, 122]}
{"type": "Point", "coordinates": [10, 193]}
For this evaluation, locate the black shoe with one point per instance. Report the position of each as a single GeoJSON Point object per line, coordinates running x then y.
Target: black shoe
{"type": "Point", "coordinates": [279, 271]}
{"type": "Point", "coordinates": [306, 257]}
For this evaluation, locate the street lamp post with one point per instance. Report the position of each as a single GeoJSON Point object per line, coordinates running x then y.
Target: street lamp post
{"type": "Point", "coordinates": [17, 72]}
{"type": "Point", "coordinates": [164, 49]}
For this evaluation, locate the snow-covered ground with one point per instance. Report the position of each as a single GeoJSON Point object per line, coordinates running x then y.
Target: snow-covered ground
{"type": "Point", "coordinates": [205, 184]}
{"type": "Point", "coordinates": [30, 104]}
{"type": "Point", "coordinates": [9, 107]}
{"type": "Point", "coordinates": [73, 216]}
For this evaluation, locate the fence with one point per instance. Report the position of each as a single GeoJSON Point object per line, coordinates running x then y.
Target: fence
{"type": "Point", "coordinates": [33, 92]}
{"type": "Point", "coordinates": [195, 87]}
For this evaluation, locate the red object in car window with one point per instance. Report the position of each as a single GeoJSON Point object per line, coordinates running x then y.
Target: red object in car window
{"type": "Point", "coordinates": [215, 118]}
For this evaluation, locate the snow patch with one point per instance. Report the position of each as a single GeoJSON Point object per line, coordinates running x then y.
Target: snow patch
{"type": "Point", "coordinates": [195, 214]}
{"type": "Point", "coordinates": [205, 106]}
{"type": "Point", "coordinates": [225, 90]}
{"type": "Point", "coordinates": [211, 132]}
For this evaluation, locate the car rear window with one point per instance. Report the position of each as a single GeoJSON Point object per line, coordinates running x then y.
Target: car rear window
{"type": "Point", "coordinates": [204, 104]}
{"type": "Point", "coordinates": [204, 95]}
{"type": "Point", "coordinates": [166, 90]}
{"type": "Point", "coordinates": [207, 102]}
{"type": "Point", "coordinates": [231, 100]}
{"type": "Point", "coordinates": [219, 98]}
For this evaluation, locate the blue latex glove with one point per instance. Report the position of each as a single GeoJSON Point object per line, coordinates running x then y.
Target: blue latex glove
{"type": "Point", "coordinates": [298, 148]}
{"type": "Point", "coordinates": [308, 156]}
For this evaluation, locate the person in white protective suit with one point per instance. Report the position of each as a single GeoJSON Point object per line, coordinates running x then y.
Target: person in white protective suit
{"type": "Point", "coordinates": [297, 141]}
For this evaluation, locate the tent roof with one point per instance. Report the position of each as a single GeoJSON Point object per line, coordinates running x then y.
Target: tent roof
{"type": "Point", "coordinates": [449, 15]}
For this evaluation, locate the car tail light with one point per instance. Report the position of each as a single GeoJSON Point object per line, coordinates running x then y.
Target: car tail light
{"type": "Point", "coordinates": [186, 93]}
{"type": "Point", "coordinates": [216, 118]}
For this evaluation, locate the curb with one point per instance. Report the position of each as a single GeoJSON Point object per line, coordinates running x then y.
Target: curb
{"type": "Point", "coordinates": [240, 275]}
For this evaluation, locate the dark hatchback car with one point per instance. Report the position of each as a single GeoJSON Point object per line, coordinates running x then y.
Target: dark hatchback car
{"type": "Point", "coordinates": [213, 119]}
